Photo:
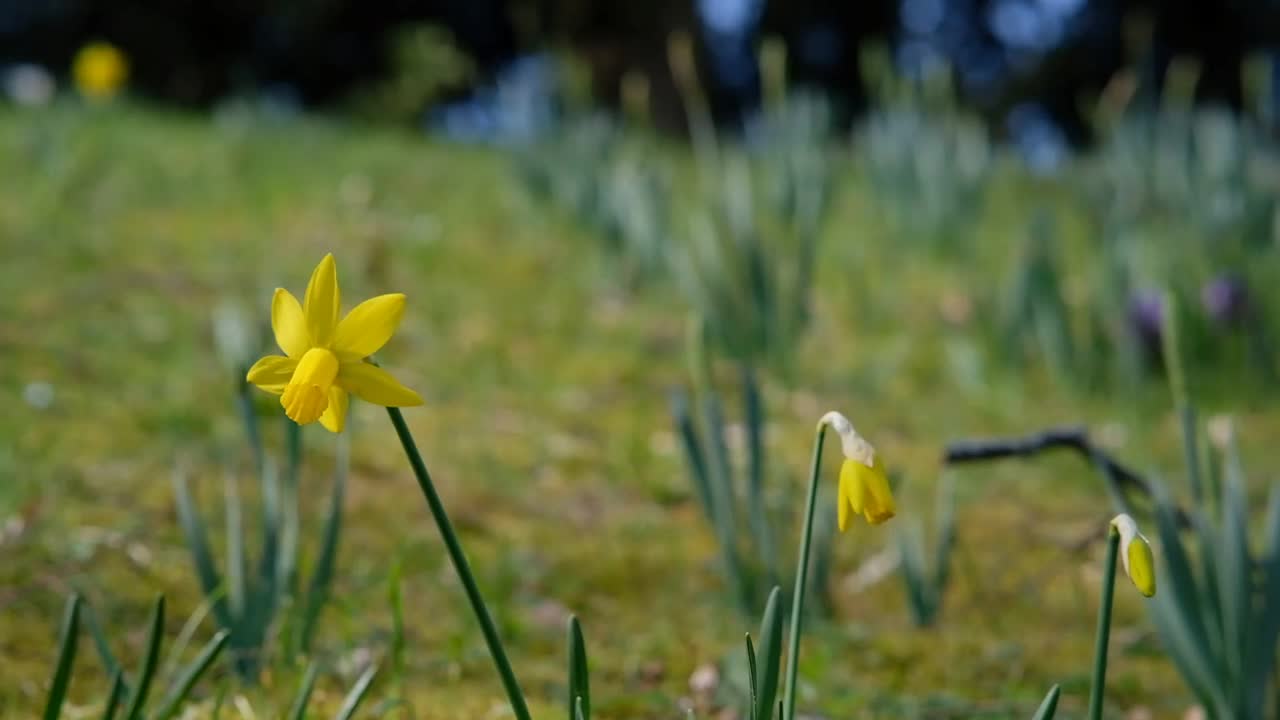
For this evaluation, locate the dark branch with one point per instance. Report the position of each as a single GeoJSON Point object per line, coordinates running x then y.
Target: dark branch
{"type": "Point", "coordinates": [1122, 481]}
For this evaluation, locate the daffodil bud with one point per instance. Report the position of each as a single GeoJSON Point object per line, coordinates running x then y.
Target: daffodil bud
{"type": "Point", "coordinates": [1135, 554]}
{"type": "Point", "coordinates": [864, 487]}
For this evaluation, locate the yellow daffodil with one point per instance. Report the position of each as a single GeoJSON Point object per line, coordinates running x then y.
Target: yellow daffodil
{"type": "Point", "coordinates": [1135, 554]}
{"type": "Point", "coordinates": [100, 70]}
{"type": "Point", "coordinates": [324, 358]}
{"type": "Point", "coordinates": [864, 487]}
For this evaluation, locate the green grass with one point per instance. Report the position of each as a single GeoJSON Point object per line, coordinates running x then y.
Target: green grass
{"type": "Point", "coordinates": [546, 428]}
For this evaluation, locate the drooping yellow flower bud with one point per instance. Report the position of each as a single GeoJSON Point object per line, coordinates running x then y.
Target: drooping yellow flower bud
{"type": "Point", "coordinates": [100, 70]}
{"type": "Point", "coordinates": [1135, 554]}
{"type": "Point", "coordinates": [864, 487]}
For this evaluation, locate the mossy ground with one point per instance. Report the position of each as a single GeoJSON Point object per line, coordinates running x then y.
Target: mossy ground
{"type": "Point", "coordinates": [546, 426]}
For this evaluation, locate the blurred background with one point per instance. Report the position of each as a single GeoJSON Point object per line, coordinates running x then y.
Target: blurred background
{"type": "Point", "coordinates": [493, 70]}
{"type": "Point", "coordinates": [645, 246]}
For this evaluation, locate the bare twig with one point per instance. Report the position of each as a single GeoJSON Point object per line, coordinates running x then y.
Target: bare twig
{"type": "Point", "coordinates": [1122, 482]}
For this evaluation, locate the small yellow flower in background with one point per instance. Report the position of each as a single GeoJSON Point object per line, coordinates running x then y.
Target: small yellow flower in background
{"type": "Point", "coordinates": [864, 487]}
{"type": "Point", "coordinates": [1135, 554]}
{"type": "Point", "coordinates": [324, 357]}
{"type": "Point", "coordinates": [100, 70]}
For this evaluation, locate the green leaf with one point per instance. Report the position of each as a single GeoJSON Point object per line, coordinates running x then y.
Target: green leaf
{"type": "Point", "coordinates": [693, 454]}
{"type": "Point", "coordinates": [754, 407]}
{"type": "Point", "coordinates": [579, 677]}
{"type": "Point", "coordinates": [771, 654]}
{"type": "Point", "coordinates": [194, 532]}
{"type": "Point", "coordinates": [915, 577]}
{"type": "Point", "coordinates": [115, 695]}
{"type": "Point", "coordinates": [1050, 705]}
{"type": "Point", "coordinates": [1261, 658]}
{"type": "Point", "coordinates": [67, 641]}
{"type": "Point", "coordinates": [722, 483]}
{"type": "Point", "coordinates": [396, 599]}
{"type": "Point", "coordinates": [189, 675]}
{"type": "Point", "coordinates": [356, 696]}
{"type": "Point", "coordinates": [1235, 576]}
{"type": "Point", "coordinates": [752, 671]}
{"type": "Point", "coordinates": [237, 589]}
{"type": "Point", "coordinates": [322, 573]}
{"type": "Point", "coordinates": [263, 599]}
{"type": "Point", "coordinates": [109, 663]}
{"type": "Point", "coordinates": [149, 663]}
{"type": "Point", "coordinates": [298, 710]}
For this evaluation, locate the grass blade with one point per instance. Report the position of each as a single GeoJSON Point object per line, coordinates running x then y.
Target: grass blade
{"type": "Point", "coordinates": [1049, 707]}
{"type": "Point", "coordinates": [236, 589]}
{"type": "Point", "coordinates": [114, 697]}
{"type": "Point", "coordinates": [752, 671]}
{"type": "Point", "coordinates": [68, 638]}
{"type": "Point", "coordinates": [579, 677]}
{"type": "Point", "coordinates": [109, 662]}
{"type": "Point", "coordinates": [187, 632]}
{"type": "Point", "coordinates": [1235, 575]}
{"type": "Point", "coordinates": [197, 538]}
{"type": "Point", "coordinates": [753, 404]}
{"type": "Point", "coordinates": [149, 662]}
{"type": "Point", "coordinates": [322, 574]}
{"type": "Point", "coordinates": [298, 710]}
{"type": "Point", "coordinates": [693, 453]}
{"type": "Point", "coordinates": [396, 599]}
{"type": "Point", "coordinates": [771, 649]}
{"type": "Point", "coordinates": [287, 565]}
{"type": "Point", "coordinates": [190, 675]}
{"type": "Point", "coordinates": [356, 696]}
{"type": "Point", "coordinates": [249, 416]}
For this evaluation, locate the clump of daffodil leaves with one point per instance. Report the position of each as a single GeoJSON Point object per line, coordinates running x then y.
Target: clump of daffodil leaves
{"type": "Point", "coordinates": [324, 357]}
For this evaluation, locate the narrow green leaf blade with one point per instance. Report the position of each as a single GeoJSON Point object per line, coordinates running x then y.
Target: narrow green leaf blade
{"type": "Point", "coordinates": [752, 680]}
{"type": "Point", "coordinates": [356, 696]}
{"type": "Point", "coordinates": [322, 575]}
{"type": "Point", "coordinates": [194, 532]}
{"type": "Point", "coordinates": [68, 638]}
{"type": "Point", "coordinates": [298, 710]}
{"type": "Point", "coordinates": [190, 675]}
{"type": "Point", "coordinates": [114, 696]}
{"type": "Point", "coordinates": [579, 677]}
{"type": "Point", "coordinates": [149, 663]}
{"type": "Point", "coordinates": [1049, 707]}
{"type": "Point", "coordinates": [771, 654]}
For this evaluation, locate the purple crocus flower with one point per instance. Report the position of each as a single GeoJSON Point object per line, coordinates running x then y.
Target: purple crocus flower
{"type": "Point", "coordinates": [1146, 319]}
{"type": "Point", "coordinates": [1225, 299]}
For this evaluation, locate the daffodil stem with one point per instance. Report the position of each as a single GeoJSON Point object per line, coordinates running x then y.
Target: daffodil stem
{"type": "Point", "coordinates": [1104, 627]}
{"type": "Point", "coordinates": [802, 580]}
{"type": "Point", "coordinates": [460, 565]}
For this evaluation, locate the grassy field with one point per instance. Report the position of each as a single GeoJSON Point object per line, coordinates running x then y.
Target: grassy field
{"type": "Point", "coordinates": [546, 424]}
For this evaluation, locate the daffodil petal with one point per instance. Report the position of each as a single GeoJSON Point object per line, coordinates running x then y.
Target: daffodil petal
{"type": "Point", "coordinates": [1141, 566]}
{"type": "Point", "coordinates": [334, 418]}
{"type": "Point", "coordinates": [289, 324]}
{"type": "Point", "coordinates": [843, 497]}
{"type": "Point", "coordinates": [272, 373]}
{"type": "Point", "coordinates": [368, 326]}
{"type": "Point", "coordinates": [373, 384]}
{"type": "Point", "coordinates": [322, 301]}
{"type": "Point", "coordinates": [880, 505]}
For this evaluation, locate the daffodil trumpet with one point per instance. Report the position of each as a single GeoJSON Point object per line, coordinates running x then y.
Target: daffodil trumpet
{"type": "Point", "coordinates": [863, 490]}
{"type": "Point", "coordinates": [1123, 540]}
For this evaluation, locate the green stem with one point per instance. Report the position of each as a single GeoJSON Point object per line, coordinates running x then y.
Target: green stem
{"type": "Point", "coordinates": [460, 565]}
{"type": "Point", "coordinates": [802, 578]}
{"type": "Point", "coordinates": [1104, 627]}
